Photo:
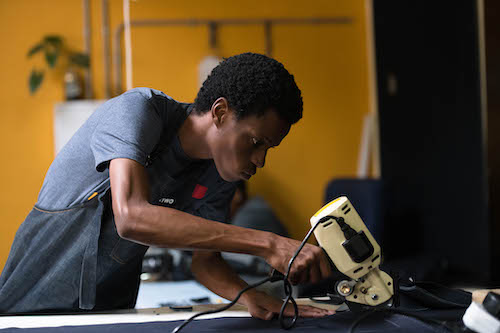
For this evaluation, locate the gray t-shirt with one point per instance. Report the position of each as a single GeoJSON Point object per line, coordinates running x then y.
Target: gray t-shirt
{"type": "Point", "coordinates": [131, 126]}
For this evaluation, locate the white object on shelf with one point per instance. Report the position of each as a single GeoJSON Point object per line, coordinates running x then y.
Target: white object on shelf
{"type": "Point", "coordinates": [205, 67]}
{"type": "Point", "coordinates": [69, 117]}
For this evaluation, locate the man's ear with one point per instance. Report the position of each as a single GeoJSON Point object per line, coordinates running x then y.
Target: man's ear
{"type": "Point", "coordinates": [220, 111]}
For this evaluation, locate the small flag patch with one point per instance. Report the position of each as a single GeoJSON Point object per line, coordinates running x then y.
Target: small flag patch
{"type": "Point", "coordinates": [199, 191]}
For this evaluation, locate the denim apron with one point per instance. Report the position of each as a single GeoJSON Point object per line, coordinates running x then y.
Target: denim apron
{"type": "Point", "coordinates": [74, 259]}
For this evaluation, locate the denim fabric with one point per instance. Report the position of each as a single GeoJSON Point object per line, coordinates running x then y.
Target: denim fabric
{"type": "Point", "coordinates": [28, 281]}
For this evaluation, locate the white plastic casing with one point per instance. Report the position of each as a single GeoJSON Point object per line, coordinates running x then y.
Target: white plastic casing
{"type": "Point", "coordinates": [330, 238]}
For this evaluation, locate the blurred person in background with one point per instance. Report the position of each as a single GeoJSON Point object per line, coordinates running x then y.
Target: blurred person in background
{"type": "Point", "coordinates": [254, 213]}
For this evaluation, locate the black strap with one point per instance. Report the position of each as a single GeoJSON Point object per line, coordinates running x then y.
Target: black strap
{"type": "Point", "coordinates": [436, 296]}
{"type": "Point", "coordinates": [173, 125]}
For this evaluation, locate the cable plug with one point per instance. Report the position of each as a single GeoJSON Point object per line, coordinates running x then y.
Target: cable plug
{"type": "Point", "coordinates": [357, 244]}
{"type": "Point", "coordinates": [348, 231]}
{"type": "Point", "coordinates": [346, 228]}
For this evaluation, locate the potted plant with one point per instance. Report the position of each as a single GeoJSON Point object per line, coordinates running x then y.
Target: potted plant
{"type": "Point", "coordinates": [54, 49]}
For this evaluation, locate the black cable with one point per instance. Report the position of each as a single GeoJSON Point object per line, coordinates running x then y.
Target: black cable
{"type": "Point", "coordinates": [289, 298]}
{"type": "Point", "coordinates": [286, 284]}
{"type": "Point", "coordinates": [224, 308]}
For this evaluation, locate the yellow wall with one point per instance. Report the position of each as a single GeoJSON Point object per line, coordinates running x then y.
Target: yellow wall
{"type": "Point", "coordinates": [329, 63]}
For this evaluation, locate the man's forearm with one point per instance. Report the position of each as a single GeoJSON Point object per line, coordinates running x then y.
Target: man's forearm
{"type": "Point", "coordinates": [166, 227]}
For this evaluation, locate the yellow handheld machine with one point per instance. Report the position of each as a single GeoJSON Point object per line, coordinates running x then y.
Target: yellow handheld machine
{"type": "Point", "coordinates": [354, 253]}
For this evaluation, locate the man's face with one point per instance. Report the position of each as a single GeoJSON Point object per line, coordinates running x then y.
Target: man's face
{"type": "Point", "coordinates": [241, 145]}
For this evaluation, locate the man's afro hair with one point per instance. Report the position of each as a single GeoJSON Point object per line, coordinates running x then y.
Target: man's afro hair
{"type": "Point", "coordinates": [252, 84]}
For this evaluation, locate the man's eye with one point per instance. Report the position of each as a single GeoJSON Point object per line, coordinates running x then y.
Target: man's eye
{"type": "Point", "coordinates": [256, 142]}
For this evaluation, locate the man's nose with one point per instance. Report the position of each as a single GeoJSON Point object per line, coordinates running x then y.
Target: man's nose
{"type": "Point", "coordinates": [259, 158]}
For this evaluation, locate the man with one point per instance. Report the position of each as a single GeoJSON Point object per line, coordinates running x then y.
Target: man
{"type": "Point", "coordinates": [146, 170]}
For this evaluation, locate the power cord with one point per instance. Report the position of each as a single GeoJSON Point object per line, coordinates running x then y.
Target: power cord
{"type": "Point", "coordinates": [286, 284]}
{"type": "Point", "coordinates": [275, 276]}
{"type": "Point", "coordinates": [224, 308]}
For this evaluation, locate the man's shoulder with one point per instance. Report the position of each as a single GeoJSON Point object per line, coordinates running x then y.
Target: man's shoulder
{"type": "Point", "coordinates": [149, 94]}
{"type": "Point", "coordinates": [154, 99]}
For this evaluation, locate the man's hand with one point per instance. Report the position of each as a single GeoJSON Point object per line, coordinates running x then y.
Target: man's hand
{"type": "Point", "coordinates": [311, 265]}
{"type": "Point", "coordinates": [262, 306]}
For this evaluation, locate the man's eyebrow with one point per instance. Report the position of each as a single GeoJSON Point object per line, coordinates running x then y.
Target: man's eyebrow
{"type": "Point", "coordinates": [269, 142]}
{"type": "Point", "coordinates": [265, 139]}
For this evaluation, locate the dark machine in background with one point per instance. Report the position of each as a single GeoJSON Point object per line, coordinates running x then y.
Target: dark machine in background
{"type": "Point", "coordinates": [440, 135]}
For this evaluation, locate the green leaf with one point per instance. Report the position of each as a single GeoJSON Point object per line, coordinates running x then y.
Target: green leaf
{"type": "Point", "coordinates": [35, 49]}
{"type": "Point", "coordinates": [51, 57]}
{"type": "Point", "coordinates": [53, 40]}
{"type": "Point", "coordinates": [80, 59]}
{"type": "Point", "coordinates": [35, 80]}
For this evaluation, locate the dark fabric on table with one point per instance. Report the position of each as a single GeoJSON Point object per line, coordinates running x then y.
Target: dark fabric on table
{"type": "Point", "coordinates": [340, 322]}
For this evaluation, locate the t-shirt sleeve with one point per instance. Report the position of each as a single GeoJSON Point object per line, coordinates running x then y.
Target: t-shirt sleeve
{"type": "Point", "coordinates": [217, 204]}
{"type": "Point", "coordinates": [130, 128]}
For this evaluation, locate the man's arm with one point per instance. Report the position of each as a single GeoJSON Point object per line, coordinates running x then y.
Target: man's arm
{"type": "Point", "coordinates": [138, 220]}
{"type": "Point", "coordinates": [213, 272]}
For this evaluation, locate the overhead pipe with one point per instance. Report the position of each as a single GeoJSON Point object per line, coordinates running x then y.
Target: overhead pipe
{"type": "Point", "coordinates": [128, 43]}
{"type": "Point", "coordinates": [87, 47]}
{"type": "Point", "coordinates": [267, 22]}
{"type": "Point", "coordinates": [105, 48]}
{"type": "Point", "coordinates": [269, 38]}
